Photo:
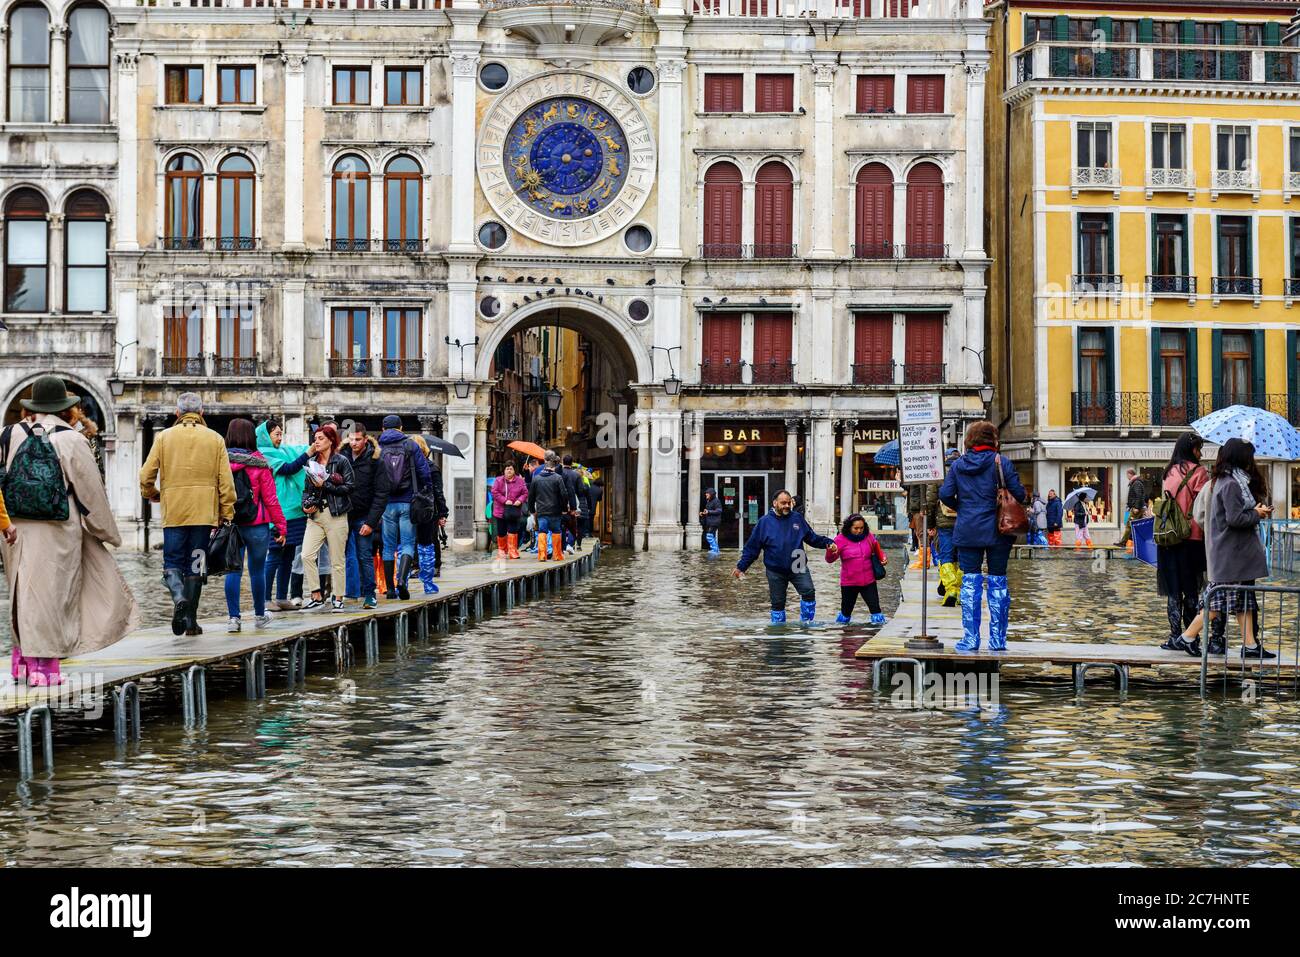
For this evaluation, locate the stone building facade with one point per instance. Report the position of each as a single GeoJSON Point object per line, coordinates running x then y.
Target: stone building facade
{"type": "Point", "coordinates": [765, 215]}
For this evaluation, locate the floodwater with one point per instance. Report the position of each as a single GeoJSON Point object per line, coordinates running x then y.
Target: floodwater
{"type": "Point", "coordinates": [649, 716]}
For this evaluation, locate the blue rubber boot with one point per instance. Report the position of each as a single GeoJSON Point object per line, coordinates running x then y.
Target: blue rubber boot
{"type": "Point", "coordinates": [712, 539]}
{"type": "Point", "coordinates": [807, 610]}
{"type": "Point", "coordinates": [842, 619]}
{"type": "Point", "coordinates": [972, 598]}
{"type": "Point", "coordinates": [878, 618]}
{"type": "Point", "coordinates": [999, 612]}
{"type": "Point", "coordinates": [778, 617]}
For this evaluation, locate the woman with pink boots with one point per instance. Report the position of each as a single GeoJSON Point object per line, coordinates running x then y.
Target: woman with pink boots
{"type": "Point", "coordinates": [858, 551]}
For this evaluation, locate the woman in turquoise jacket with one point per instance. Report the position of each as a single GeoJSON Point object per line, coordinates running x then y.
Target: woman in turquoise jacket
{"type": "Point", "coordinates": [286, 462]}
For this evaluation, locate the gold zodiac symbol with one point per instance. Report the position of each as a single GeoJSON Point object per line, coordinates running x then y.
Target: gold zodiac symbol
{"type": "Point", "coordinates": [601, 125]}
{"type": "Point", "coordinates": [557, 205]}
{"type": "Point", "coordinates": [550, 114]}
{"type": "Point", "coordinates": [613, 167]}
{"type": "Point", "coordinates": [572, 111]}
{"type": "Point", "coordinates": [610, 144]}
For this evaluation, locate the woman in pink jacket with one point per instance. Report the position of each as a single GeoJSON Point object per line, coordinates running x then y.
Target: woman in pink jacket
{"type": "Point", "coordinates": [256, 535]}
{"type": "Point", "coordinates": [854, 546]}
{"type": "Point", "coordinates": [509, 492]}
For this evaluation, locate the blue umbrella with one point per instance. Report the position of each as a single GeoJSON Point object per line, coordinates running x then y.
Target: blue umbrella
{"type": "Point", "coordinates": [889, 454]}
{"type": "Point", "coordinates": [1272, 436]}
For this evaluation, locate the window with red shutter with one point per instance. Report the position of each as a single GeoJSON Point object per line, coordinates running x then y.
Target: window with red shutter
{"type": "Point", "coordinates": [773, 212]}
{"type": "Point", "coordinates": [925, 94]}
{"type": "Point", "coordinates": [873, 348]}
{"type": "Point", "coordinates": [772, 336]}
{"type": "Point", "coordinates": [722, 202]}
{"type": "Point", "coordinates": [925, 213]}
{"type": "Point", "coordinates": [774, 92]}
{"type": "Point", "coordinates": [720, 348]}
{"type": "Point", "coordinates": [875, 94]}
{"type": "Point", "coordinates": [923, 349]}
{"type": "Point", "coordinates": [873, 235]}
{"type": "Point", "coordinates": [724, 92]}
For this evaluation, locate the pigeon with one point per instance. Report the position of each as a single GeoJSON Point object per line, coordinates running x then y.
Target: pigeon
{"type": "Point", "coordinates": [650, 282]}
{"type": "Point", "coordinates": [526, 299]}
{"type": "Point", "coordinates": [543, 281]}
{"type": "Point", "coordinates": [762, 300]}
{"type": "Point", "coordinates": [589, 295]}
{"type": "Point", "coordinates": [722, 300]}
{"type": "Point", "coordinates": [519, 279]}
{"type": "Point", "coordinates": [531, 279]}
{"type": "Point", "coordinates": [609, 282]}
{"type": "Point", "coordinates": [502, 279]}
{"type": "Point", "coordinates": [559, 281]}
{"type": "Point", "coordinates": [566, 292]}
{"type": "Point", "coordinates": [706, 299]}
{"type": "Point", "coordinates": [550, 292]}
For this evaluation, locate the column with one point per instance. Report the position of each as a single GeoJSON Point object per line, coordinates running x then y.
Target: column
{"type": "Point", "coordinates": [4, 58]}
{"type": "Point", "coordinates": [665, 457]}
{"type": "Point", "coordinates": [125, 234]}
{"type": "Point", "coordinates": [643, 455]}
{"type": "Point", "coordinates": [461, 427]}
{"type": "Point", "coordinates": [820, 507]}
{"type": "Point", "coordinates": [464, 90]}
{"type": "Point", "coordinates": [848, 467]}
{"type": "Point", "coordinates": [792, 455]}
{"type": "Point", "coordinates": [460, 325]}
{"type": "Point", "coordinates": [670, 63]}
{"type": "Point", "coordinates": [294, 59]}
{"type": "Point", "coordinates": [817, 344]}
{"type": "Point", "coordinates": [480, 481]}
{"type": "Point", "coordinates": [823, 205]}
{"type": "Point", "coordinates": [693, 491]}
{"type": "Point", "coordinates": [292, 315]}
{"type": "Point", "coordinates": [128, 328]}
{"type": "Point", "coordinates": [54, 269]}
{"type": "Point", "coordinates": [58, 73]}
{"type": "Point", "coordinates": [975, 160]}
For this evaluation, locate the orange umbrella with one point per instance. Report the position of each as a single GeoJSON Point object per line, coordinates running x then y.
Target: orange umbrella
{"type": "Point", "coordinates": [529, 448]}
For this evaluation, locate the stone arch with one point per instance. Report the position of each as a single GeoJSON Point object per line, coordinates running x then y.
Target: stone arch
{"type": "Point", "coordinates": [104, 416]}
{"type": "Point", "coordinates": [598, 322]}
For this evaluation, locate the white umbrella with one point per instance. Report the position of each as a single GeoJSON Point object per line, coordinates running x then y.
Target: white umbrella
{"type": "Point", "coordinates": [1086, 491]}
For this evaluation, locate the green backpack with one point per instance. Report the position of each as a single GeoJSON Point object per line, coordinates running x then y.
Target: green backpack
{"type": "Point", "coordinates": [1172, 526]}
{"type": "Point", "coordinates": [33, 485]}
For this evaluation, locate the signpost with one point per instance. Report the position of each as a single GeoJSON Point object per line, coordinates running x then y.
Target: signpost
{"type": "Point", "coordinates": [920, 441]}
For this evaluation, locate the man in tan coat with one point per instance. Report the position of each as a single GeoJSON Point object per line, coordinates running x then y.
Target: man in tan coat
{"type": "Point", "coordinates": [67, 596]}
{"type": "Point", "coordinates": [197, 493]}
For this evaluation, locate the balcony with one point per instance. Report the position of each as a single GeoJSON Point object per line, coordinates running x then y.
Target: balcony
{"type": "Point", "coordinates": [1291, 287]}
{"type": "Point", "coordinates": [1096, 284]}
{"type": "Point", "coordinates": [924, 373]}
{"type": "Point", "coordinates": [1084, 178]}
{"type": "Point", "coordinates": [234, 366]}
{"type": "Point", "coordinates": [1171, 286]}
{"type": "Point", "coordinates": [1234, 181]}
{"type": "Point", "coordinates": [220, 244]}
{"type": "Point", "coordinates": [403, 368]}
{"type": "Point", "coordinates": [889, 250]}
{"type": "Point", "coordinates": [1171, 181]}
{"type": "Point", "coordinates": [1167, 63]}
{"type": "Point", "coordinates": [402, 245]}
{"type": "Point", "coordinates": [350, 245]}
{"type": "Point", "coordinates": [831, 9]}
{"type": "Point", "coordinates": [749, 251]}
{"type": "Point", "coordinates": [1147, 410]}
{"type": "Point", "coordinates": [883, 250]}
{"type": "Point", "coordinates": [192, 366]}
{"type": "Point", "coordinates": [204, 366]}
{"type": "Point", "coordinates": [873, 373]}
{"type": "Point", "coordinates": [1291, 185]}
{"type": "Point", "coordinates": [1240, 286]}
{"type": "Point", "coordinates": [350, 368]}
{"type": "Point", "coordinates": [725, 372]}
{"type": "Point", "coordinates": [770, 373]}
{"type": "Point", "coordinates": [923, 251]}
{"type": "Point", "coordinates": [180, 242]}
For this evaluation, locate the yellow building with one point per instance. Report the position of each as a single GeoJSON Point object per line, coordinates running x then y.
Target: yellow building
{"type": "Point", "coordinates": [1143, 188]}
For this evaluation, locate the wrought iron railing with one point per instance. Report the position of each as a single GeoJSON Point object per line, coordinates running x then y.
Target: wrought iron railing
{"type": "Point", "coordinates": [770, 373]}
{"type": "Point", "coordinates": [340, 245]}
{"type": "Point", "coordinates": [1096, 284]}
{"type": "Point", "coordinates": [722, 250]}
{"type": "Point", "coordinates": [234, 365]}
{"type": "Point", "coordinates": [403, 368]}
{"type": "Point", "coordinates": [1234, 180]}
{"type": "Point", "coordinates": [1165, 62]}
{"type": "Point", "coordinates": [923, 251]}
{"type": "Point", "coordinates": [873, 373]}
{"type": "Point", "coordinates": [181, 242]}
{"type": "Point", "coordinates": [774, 250]}
{"type": "Point", "coordinates": [184, 365]}
{"type": "Point", "coordinates": [350, 368]}
{"type": "Point", "coordinates": [884, 250]}
{"type": "Point", "coordinates": [1235, 285]}
{"type": "Point", "coordinates": [1094, 177]}
{"type": "Point", "coordinates": [403, 245]}
{"type": "Point", "coordinates": [725, 372]}
{"type": "Point", "coordinates": [749, 250]}
{"type": "Point", "coordinates": [1291, 286]}
{"type": "Point", "coordinates": [1171, 179]}
{"type": "Point", "coordinates": [1171, 285]}
{"type": "Point", "coordinates": [236, 243]}
{"type": "Point", "coordinates": [925, 373]}
{"type": "Point", "coordinates": [1169, 409]}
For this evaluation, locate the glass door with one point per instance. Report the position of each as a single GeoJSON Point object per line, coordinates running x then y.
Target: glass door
{"type": "Point", "coordinates": [729, 494]}
{"type": "Point", "coordinates": [754, 499]}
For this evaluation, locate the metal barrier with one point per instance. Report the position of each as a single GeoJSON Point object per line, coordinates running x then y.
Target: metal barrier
{"type": "Point", "coordinates": [1261, 619]}
{"type": "Point", "coordinates": [25, 739]}
{"type": "Point", "coordinates": [194, 693]}
{"type": "Point", "coordinates": [126, 722]}
{"type": "Point", "coordinates": [1281, 536]}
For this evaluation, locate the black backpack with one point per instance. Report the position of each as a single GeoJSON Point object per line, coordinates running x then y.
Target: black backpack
{"type": "Point", "coordinates": [33, 484]}
{"type": "Point", "coordinates": [396, 460]}
{"type": "Point", "coordinates": [245, 502]}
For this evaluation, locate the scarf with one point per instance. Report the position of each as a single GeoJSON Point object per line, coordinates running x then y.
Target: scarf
{"type": "Point", "coordinates": [1244, 481]}
{"type": "Point", "coordinates": [856, 538]}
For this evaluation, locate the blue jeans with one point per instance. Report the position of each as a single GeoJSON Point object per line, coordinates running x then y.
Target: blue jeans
{"type": "Point", "coordinates": [255, 539]}
{"type": "Point", "coordinates": [550, 524]}
{"type": "Point", "coordinates": [971, 560]}
{"type": "Point", "coordinates": [185, 548]}
{"type": "Point", "coordinates": [943, 545]}
{"type": "Point", "coordinates": [399, 532]}
{"type": "Point", "coordinates": [279, 564]}
{"type": "Point", "coordinates": [778, 584]}
{"type": "Point", "coordinates": [360, 561]}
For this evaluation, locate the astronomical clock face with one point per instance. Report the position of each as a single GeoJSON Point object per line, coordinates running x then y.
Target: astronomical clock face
{"type": "Point", "coordinates": [566, 159]}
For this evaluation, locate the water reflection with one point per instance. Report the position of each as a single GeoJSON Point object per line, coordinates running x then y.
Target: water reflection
{"type": "Point", "coordinates": [649, 716]}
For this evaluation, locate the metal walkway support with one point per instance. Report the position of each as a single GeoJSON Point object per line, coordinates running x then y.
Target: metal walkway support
{"type": "Point", "coordinates": [298, 661]}
{"type": "Point", "coordinates": [402, 630]}
{"type": "Point", "coordinates": [478, 604]}
{"type": "Point", "coordinates": [124, 723]}
{"type": "Point", "coordinates": [1120, 670]}
{"type": "Point", "coordinates": [372, 640]}
{"type": "Point", "coordinates": [462, 611]}
{"type": "Point", "coordinates": [25, 739]}
{"type": "Point", "coordinates": [422, 623]}
{"type": "Point", "coordinates": [879, 666]}
{"type": "Point", "coordinates": [343, 654]}
{"type": "Point", "coordinates": [254, 675]}
{"type": "Point", "coordinates": [194, 693]}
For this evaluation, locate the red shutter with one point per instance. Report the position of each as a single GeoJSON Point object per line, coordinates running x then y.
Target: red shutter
{"type": "Point", "coordinates": [722, 203]}
{"type": "Point", "coordinates": [925, 211]}
{"type": "Point", "coordinates": [923, 350]}
{"type": "Point", "coordinates": [874, 228]}
{"type": "Point", "coordinates": [773, 212]}
{"type": "Point", "coordinates": [875, 94]}
{"type": "Point", "coordinates": [774, 93]}
{"type": "Point", "coordinates": [772, 335]}
{"type": "Point", "coordinates": [925, 94]}
{"type": "Point", "coordinates": [720, 342]}
{"type": "Point", "coordinates": [723, 93]}
{"type": "Point", "coordinates": [873, 338]}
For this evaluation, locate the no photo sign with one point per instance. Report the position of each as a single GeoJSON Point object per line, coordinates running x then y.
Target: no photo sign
{"type": "Point", "coordinates": [920, 438]}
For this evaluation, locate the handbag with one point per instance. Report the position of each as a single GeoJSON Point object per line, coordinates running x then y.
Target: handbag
{"type": "Point", "coordinates": [511, 511]}
{"type": "Point", "coordinates": [222, 553]}
{"type": "Point", "coordinates": [1012, 517]}
{"type": "Point", "coordinates": [877, 566]}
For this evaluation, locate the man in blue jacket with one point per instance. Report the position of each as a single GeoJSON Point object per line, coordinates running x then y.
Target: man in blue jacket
{"type": "Point", "coordinates": [1055, 518]}
{"type": "Point", "coordinates": [781, 535]}
{"type": "Point", "coordinates": [406, 471]}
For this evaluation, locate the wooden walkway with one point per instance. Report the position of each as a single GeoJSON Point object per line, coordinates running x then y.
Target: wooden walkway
{"type": "Point", "coordinates": [466, 592]}
{"type": "Point", "coordinates": [945, 624]}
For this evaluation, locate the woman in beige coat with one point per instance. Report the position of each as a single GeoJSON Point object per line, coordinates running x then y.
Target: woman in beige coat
{"type": "Point", "coordinates": [67, 596]}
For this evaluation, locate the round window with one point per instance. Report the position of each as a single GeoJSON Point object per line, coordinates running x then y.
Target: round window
{"type": "Point", "coordinates": [638, 310]}
{"type": "Point", "coordinates": [492, 235]}
{"type": "Point", "coordinates": [638, 238]}
{"type": "Point", "coordinates": [493, 76]}
{"type": "Point", "coordinates": [489, 306]}
{"type": "Point", "coordinates": [640, 80]}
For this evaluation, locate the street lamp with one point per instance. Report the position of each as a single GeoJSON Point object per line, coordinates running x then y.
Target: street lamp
{"type": "Point", "coordinates": [672, 384]}
{"type": "Point", "coordinates": [986, 390]}
{"type": "Point", "coordinates": [553, 399]}
{"type": "Point", "coordinates": [462, 386]}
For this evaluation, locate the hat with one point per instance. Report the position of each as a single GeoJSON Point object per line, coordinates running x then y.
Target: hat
{"type": "Point", "coordinates": [392, 421]}
{"type": "Point", "coordinates": [49, 394]}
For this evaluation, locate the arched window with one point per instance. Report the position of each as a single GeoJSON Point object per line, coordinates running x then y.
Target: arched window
{"type": "Point", "coordinates": [351, 203]}
{"type": "Point", "coordinates": [88, 65]}
{"type": "Point", "coordinates": [85, 278]}
{"type": "Point", "coordinates": [722, 212]}
{"type": "Point", "coordinates": [184, 186]}
{"type": "Point", "coordinates": [29, 65]}
{"type": "Point", "coordinates": [235, 203]}
{"type": "Point", "coordinates": [773, 212]}
{"type": "Point", "coordinates": [925, 212]}
{"type": "Point", "coordinates": [27, 252]}
{"type": "Point", "coordinates": [402, 205]}
{"type": "Point", "coordinates": [873, 232]}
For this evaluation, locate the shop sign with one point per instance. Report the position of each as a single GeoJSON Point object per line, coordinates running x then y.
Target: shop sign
{"type": "Point", "coordinates": [920, 438]}
{"type": "Point", "coordinates": [884, 487]}
{"type": "Point", "coordinates": [877, 436]}
{"type": "Point", "coordinates": [745, 433]}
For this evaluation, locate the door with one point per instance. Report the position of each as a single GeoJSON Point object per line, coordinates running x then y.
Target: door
{"type": "Point", "coordinates": [753, 493]}
{"type": "Point", "coordinates": [728, 487]}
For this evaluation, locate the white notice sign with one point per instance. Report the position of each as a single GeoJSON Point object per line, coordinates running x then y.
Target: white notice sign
{"type": "Point", "coordinates": [922, 451]}
{"type": "Point", "coordinates": [918, 408]}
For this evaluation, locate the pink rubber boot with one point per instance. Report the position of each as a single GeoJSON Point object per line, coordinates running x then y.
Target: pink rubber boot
{"type": "Point", "coordinates": [43, 672]}
{"type": "Point", "coordinates": [17, 664]}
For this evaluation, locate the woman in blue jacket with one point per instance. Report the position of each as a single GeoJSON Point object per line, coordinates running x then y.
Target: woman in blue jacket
{"type": "Point", "coordinates": [972, 488]}
{"type": "Point", "coordinates": [781, 535]}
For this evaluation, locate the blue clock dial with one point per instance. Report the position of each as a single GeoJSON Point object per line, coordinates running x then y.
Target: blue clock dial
{"type": "Point", "coordinates": [567, 157]}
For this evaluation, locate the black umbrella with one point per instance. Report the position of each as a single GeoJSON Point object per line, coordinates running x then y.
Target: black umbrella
{"type": "Point", "coordinates": [443, 446]}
